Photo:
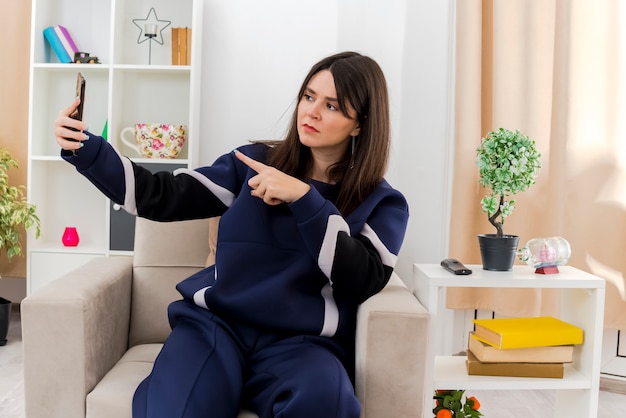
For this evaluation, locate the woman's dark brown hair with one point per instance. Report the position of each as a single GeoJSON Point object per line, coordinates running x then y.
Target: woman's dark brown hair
{"type": "Point", "coordinates": [359, 83]}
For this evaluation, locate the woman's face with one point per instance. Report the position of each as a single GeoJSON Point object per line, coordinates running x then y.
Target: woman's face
{"type": "Point", "coordinates": [322, 126]}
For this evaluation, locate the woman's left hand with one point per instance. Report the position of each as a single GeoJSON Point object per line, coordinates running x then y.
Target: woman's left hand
{"type": "Point", "coordinates": [271, 185]}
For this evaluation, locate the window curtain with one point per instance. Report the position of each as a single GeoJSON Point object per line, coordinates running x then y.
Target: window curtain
{"type": "Point", "coordinates": [14, 73]}
{"type": "Point", "coordinates": [555, 70]}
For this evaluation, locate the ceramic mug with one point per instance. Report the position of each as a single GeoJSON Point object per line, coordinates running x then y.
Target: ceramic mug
{"type": "Point", "coordinates": [155, 140]}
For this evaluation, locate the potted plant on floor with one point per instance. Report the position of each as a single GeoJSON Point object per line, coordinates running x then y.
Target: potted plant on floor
{"type": "Point", "coordinates": [15, 213]}
{"type": "Point", "coordinates": [508, 163]}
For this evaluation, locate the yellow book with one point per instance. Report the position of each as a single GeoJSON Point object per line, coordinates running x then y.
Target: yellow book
{"type": "Point", "coordinates": [527, 332]}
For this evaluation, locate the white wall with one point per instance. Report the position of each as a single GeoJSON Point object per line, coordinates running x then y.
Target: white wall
{"type": "Point", "coordinates": [255, 56]}
{"type": "Point", "coordinates": [256, 53]}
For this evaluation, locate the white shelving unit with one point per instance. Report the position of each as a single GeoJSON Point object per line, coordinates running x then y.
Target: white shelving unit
{"type": "Point", "coordinates": [582, 304]}
{"type": "Point", "coordinates": [121, 91]}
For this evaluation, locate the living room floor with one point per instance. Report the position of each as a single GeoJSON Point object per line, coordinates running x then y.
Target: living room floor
{"type": "Point", "coordinates": [520, 404]}
{"type": "Point", "coordinates": [11, 379]}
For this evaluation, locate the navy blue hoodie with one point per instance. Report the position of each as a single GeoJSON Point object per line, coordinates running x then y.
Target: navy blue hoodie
{"type": "Point", "coordinates": [298, 268]}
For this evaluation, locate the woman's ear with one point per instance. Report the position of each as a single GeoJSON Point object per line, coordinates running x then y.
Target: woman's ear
{"type": "Point", "coordinates": [356, 130]}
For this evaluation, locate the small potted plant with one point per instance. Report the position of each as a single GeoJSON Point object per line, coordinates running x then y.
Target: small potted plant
{"type": "Point", "coordinates": [449, 404]}
{"type": "Point", "coordinates": [15, 213]}
{"type": "Point", "coordinates": [508, 163]}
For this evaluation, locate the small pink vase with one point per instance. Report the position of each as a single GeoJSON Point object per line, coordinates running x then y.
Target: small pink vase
{"type": "Point", "coordinates": [70, 237]}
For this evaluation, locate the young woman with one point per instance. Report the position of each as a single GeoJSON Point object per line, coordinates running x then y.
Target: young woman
{"type": "Point", "coordinates": [309, 229]}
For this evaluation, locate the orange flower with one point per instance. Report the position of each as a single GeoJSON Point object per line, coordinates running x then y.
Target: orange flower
{"type": "Point", "coordinates": [475, 405]}
{"type": "Point", "coordinates": [444, 413]}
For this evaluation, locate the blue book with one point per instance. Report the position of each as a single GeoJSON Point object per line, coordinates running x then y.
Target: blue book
{"type": "Point", "coordinates": [56, 44]}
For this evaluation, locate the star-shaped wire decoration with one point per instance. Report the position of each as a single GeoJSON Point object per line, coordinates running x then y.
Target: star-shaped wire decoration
{"type": "Point", "coordinates": [151, 19]}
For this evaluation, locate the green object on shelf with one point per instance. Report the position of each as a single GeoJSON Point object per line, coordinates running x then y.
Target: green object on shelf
{"type": "Point", "coordinates": [105, 130]}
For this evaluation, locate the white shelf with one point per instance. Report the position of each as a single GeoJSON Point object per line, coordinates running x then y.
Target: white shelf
{"type": "Point", "coordinates": [71, 67]}
{"type": "Point", "coordinates": [121, 91]}
{"type": "Point", "coordinates": [582, 304]}
{"type": "Point", "coordinates": [450, 372]}
{"type": "Point", "coordinates": [58, 248]}
{"type": "Point", "coordinates": [521, 277]}
{"type": "Point", "coordinates": [153, 68]}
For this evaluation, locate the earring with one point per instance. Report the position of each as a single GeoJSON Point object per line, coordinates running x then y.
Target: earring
{"type": "Point", "coordinates": [352, 153]}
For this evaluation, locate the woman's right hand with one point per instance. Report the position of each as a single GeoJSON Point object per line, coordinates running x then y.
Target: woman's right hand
{"type": "Point", "coordinates": [67, 138]}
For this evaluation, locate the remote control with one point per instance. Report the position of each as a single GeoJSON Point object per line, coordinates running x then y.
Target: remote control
{"type": "Point", "coordinates": [455, 266]}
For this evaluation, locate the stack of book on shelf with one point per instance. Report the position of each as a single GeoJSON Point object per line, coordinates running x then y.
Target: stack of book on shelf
{"type": "Point", "coordinates": [181, 46]}
{"type": "Point", "coordinates": [61, 43]}
{"type": "Point", "coordinates": [521, 347]}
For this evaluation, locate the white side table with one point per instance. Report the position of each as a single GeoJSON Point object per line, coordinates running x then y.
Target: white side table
{"type": "Point", "coordinates": [582, 304]}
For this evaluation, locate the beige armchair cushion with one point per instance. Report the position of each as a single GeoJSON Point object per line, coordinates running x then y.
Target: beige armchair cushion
{"type": "Point", "coordinates": [163, 257]}
{"type": "Point", "coordinates": [114, 394]}
{"type": "Point", "coordinates": [214, 223]}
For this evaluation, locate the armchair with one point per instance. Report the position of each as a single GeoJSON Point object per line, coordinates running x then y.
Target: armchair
{"type": "Point", "coordinates": [91, 336]}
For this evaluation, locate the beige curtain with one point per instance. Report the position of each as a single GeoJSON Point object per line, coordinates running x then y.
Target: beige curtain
{"type": "Point", "coordinates": [14, 49]}
{"type": "Point", "coordinates": [556, 70]}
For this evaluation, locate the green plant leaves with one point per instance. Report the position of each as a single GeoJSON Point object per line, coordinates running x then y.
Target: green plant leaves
{"type": "Point", "coordinates": [15, 211]}
{"type": "Point", "coordinates": [452, 400]}
{"type": "Point", "coordinates": [508, 163]}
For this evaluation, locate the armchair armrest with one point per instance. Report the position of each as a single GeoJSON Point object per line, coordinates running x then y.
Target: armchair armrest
{"type": "Point", "coordinates": [74, 330]}
{"type": "Point", "coordinates": [391, 353]}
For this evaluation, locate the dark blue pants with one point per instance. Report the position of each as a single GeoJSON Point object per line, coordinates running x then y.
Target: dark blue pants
{"type": "Point", "coordinates": [208, 368]}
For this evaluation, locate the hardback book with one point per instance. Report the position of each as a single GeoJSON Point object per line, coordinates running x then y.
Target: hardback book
{"type": "Point", "coordinates": [544, 354]}
{"type": "Point", "coordinates": [66, 40]}
{"type": "Point", "coordinates": [175, 47]}
{"type": "Point", "coordinates": [181, 46]}
{"type": "Point", "coordinates": [475, 367]}
{"type": "Point", "coordinates": [527, 332]}
{"type": "Point", "coordinates": [54, 41]}
{"type": "Point", "coordinates": [188, 45]}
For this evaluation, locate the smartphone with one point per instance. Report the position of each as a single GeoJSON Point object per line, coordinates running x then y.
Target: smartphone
{"type": "Point", "coordinates": [80, 92]}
